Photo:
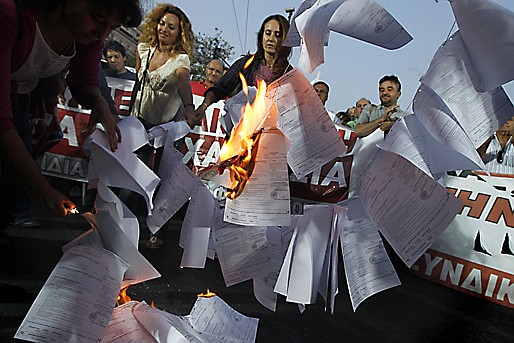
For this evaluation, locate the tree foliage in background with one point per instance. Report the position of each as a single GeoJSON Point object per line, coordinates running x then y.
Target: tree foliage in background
{"type": "Point", "coordinates": [208, 48]}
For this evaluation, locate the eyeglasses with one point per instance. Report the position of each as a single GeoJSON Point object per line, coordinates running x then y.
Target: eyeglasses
{"type": "Point", "coordinates": [499, 156]}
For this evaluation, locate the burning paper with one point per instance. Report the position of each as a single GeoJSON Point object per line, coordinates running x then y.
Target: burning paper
{"type": "Point", "coordinates": [77, 300]}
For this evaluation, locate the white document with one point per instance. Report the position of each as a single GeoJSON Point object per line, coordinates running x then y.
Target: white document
{"type": "Point", "coordinates": [178, 182]}
{"type": "Point", "coordinates": [293, 37]}
{"type": "Point", "coordinates": [363, 151]}
{"type": "Point", "coordinates": [313, 139]}
{"type": "Point", "coordinates": [166, 327]}
{"type": "Point", "coordinates": [173, 131]}
{"type": "Point", "coordinates": [408, 207]}
{"type": "Point", "coordinates": [309, 253]}
{"type": "Point", "coordinates": [486, 29]}
{"type": "Point", "coordinates": [450, 76]}
{"type": "Point", "coordinates": [235, 106]}
{"type": "Point", "coordinates": [368, 21]}
{"type": "Point", "coordinates": [115, 240]}
{"type": "Point", "coordinates": [77, 301]}
{"type": "Point", "coordinates": [440, 123]}
{"type": "Point", "coordinates": [411, 140]}
{"type": "Point", "coordinates": [278, 243]}
{"type": "Point", "coordinates": [196, 228]}
{"type": "Point", "coordinates": [367, 266]}
{"type": "Point", "coordinates": [127, 221]}
{"type": "Point", "coordinates": [133, 133]}
{"type": "Point", "coordinates": [219, 323]}
{"type": "Point", "coordinates": [312, 25]}
{"type": "Point", "coordinates": [242, 251]}
{"type": "Point", "coordinates": [121, 168]}
{"type": "Point", "coordinates": [265, 197]}
{"type": "Point", "coordinates": [124, 327]}
{"type": "Point", "coordinates": [282, 283]}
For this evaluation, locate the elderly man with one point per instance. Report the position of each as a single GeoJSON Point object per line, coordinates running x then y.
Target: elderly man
{"type": "Point", "coordinates": [382, 117]}
{"type": "Point", "coordinates": [213, 72]}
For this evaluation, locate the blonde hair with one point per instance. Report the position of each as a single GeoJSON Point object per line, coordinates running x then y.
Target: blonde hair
{"type": "Point", "coordinates": [186, 40]}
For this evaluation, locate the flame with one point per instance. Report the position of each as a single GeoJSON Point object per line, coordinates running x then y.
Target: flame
{"type": "Point", "coordinates": [209, 294]}
{"type": "Point", "coordinates": [240, 150]}
{"type": "Point", "coordinates": [123, 297]}
{"type": "Point", "coordinates": [250, 60]}
{"type": "Point", "coordinates": [152, 305]}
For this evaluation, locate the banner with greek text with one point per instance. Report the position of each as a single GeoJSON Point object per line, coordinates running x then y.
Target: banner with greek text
{"type": "Point", "coordinates": [475, 253]}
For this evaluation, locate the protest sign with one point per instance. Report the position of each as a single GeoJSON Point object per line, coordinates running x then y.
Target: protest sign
{"type": "Point", "coordinates": [474, 254]}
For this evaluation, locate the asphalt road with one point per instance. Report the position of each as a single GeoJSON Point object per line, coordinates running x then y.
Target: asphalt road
{"type": "Point", "coordinates": [416, 311]}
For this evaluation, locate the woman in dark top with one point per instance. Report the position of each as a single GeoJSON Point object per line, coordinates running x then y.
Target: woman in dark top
{"type": "Point", "coordinates": [268, 64]}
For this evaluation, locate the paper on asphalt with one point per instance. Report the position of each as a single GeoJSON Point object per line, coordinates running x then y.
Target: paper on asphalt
{"type": "Point", "coordinates": [440, 123]}
{"type": "Point", "coordinates": [107, 201]}
{"type": "Point", "coordinates": [166, 327]}
{"type": "Point", "coordinates": [485, 27]}
{"type": "Point", "coordinates": [278, 243]}
{"type": "Point", "coordinates": [334, 258]}
{"type": "Point", "coordinates": [264, 200]}
{"type": "Point", "coordinates": [368, 21]}
{"type": "Point", "coordinates": [178, 182]}
{"type": "Point", "coordinates": [326, 281]}
{"type": "Point", "coordinates": [367, 266]}
{"type": "Point", "coordinates": [313, 139]}
{"type": "Point", "coordinates": [124, 327]}
{"type": "Point", "coordinates": [78, 298]}
{"type": "Point", "coordinates": [219, 323]}
{"type": "Point", "coordinates": [408, 207]}
{"type": "Point", "coordinates": [312, 25]}
{"type": "Point", "coordinates": [173, 131]}
{"type": "Point", "coordinates": [282, 283]}
{"type": "Point", "coordinates": [450, 76]}
{"type": "Point", "coordinates": [121, 168]}
{"type": "Point", "coordinates": [242, 251]}
{"type": "Point", "coordinates": [196, 227]}
{"type": "Point", "coordinates": [115, 240]}
{"type": "Point", "coordinates": [309, 253]}
{"type": "Point", "coordinates": [411, 140]}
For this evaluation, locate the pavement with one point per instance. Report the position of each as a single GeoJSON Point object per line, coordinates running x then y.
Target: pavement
{"type": "Point", "coordinates": [416, 311]}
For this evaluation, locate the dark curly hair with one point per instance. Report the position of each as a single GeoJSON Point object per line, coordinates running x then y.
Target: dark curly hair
{"type": "Point", "coordinates": [186, 41]}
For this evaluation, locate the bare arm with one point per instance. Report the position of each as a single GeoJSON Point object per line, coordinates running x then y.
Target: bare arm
{"type": "Point", "coordinates": [16, 157]}
{"type": "Point", "coordinates": [185, 93]}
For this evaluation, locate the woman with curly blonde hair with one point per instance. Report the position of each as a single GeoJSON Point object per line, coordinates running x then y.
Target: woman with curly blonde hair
{"type": "Point", "coordinates": [162, 64]}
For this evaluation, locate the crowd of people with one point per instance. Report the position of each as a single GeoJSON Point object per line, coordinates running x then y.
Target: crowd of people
{"type": "Point", "coordinates": [62, 41]}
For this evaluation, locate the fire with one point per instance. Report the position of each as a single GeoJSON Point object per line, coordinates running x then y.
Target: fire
{"type": "Point", "coordinates": [152, 305]}
{"type": "Point", "coordinates": [123, 297]}
{"type": "Point", "coordinates": [239, 152]}
{"type": "Point", "coordinates": [209, 294]}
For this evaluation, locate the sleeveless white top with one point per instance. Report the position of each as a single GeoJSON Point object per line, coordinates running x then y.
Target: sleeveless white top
{"type": "Point", "coordinates": [157, 99]}
{"type": "Point", "coordinates": [42, 62]}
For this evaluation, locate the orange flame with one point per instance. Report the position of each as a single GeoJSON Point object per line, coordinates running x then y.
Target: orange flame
{"type": "Point", "coordinates": [243, 139]}
{"type": "Point", "coordinates": [209, 294]}
{"type": "Point", "coordinates": [250, 60]}
{"type": "Point", "coordinates": [152, 305]}
{"type": "Point", "coordinates": [123, 297]}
